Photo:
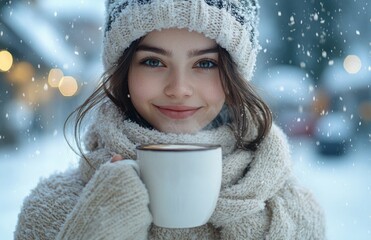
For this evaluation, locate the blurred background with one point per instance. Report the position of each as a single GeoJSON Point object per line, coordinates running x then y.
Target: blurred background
{"type": "Point", "coordinates": [314, 70]}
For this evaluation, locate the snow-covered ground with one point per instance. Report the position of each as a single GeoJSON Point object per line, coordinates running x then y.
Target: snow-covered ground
{"type": "Point", "coordinates": [342, 185]}
{"type": "Point", "coordinates": [20, 170]}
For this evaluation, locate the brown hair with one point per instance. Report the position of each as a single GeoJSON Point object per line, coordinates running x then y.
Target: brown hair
{"type": "Point", "coordinates": [242, 102]}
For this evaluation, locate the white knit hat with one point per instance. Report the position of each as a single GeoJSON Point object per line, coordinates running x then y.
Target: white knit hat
{"type": "Point", "coordinates": [231, 23]}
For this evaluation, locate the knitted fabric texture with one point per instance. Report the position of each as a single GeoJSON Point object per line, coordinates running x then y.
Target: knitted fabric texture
{"type": "Point", "coordinates": [258, 198]}
{"type": "Point", "coordinates": [265, 202]}
{"type": "Point", "coordinates": [231, 23]}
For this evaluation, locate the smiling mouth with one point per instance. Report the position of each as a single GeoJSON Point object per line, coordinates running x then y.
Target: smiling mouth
{"type": "Point", "coordinates": [177, 112]}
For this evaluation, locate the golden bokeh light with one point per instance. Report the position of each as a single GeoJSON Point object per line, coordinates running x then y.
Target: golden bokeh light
{"type": "Point", "coordinates": [6, 60]}
{"type": "Point", "coordinates": [34, 93]}
{"type": "Point", "coordinates": [21, 72]}
{"type": "Point", "coordinates": [352, 64]}
{"type": "Point", "coordinates": [321, 102]}
{"type": "Point", "coordinates": [365, 111]}
{"type": "Point", "coordinates": [54, 77]}
{"type": "Point", "coordinates": [68, 86]}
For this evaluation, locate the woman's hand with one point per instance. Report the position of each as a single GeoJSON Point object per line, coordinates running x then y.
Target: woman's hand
{"type": "Point", "coordinates": [116, 157]}
{"type": "Point", "coordinates": [132, 163]}
{"type": "Point", "coordinates": [114, 197]}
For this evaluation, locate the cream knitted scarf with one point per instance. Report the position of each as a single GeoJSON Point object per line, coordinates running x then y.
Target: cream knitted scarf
{"type": "Point", "coordinates": [249, 178]}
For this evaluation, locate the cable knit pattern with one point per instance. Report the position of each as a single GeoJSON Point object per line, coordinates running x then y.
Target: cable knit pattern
{"type": "Point", "coordinates": [258, 198]}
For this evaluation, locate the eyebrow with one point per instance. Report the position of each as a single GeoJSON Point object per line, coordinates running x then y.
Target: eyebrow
{"type": "Point", "coordinates": [158, 50]}
{"type": "Point", "coordinates": [191, 53]}
{"type": "Point", "coordinates": [199, 52]}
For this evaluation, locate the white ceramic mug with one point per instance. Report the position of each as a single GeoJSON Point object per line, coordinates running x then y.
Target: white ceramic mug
{"type": "Point", "coordinates": [183, 181]}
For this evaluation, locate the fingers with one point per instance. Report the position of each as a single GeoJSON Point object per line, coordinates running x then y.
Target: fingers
{"type": "Point", "coordinates": [116, 157]}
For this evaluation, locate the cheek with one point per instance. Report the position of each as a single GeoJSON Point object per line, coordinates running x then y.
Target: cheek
{"type": "Point", "coordinates": [137, 89]}
{"type": "Point", "coordinates": [143, 88]}
{"type": "Point", "coordinates": [138, 82]}
{"type": "Point", "coordinates": [214, 92]}
{"type": "Point", "coordinates": [218, 100]}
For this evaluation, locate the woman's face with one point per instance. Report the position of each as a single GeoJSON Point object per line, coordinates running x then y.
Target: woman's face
{"type": "Point", "coordinates": [174, 81]}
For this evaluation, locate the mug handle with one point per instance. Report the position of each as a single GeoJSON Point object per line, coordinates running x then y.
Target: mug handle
{"type": "Point", "coordinates": [132, 163]}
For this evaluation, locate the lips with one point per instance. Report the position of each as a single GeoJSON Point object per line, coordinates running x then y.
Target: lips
{"type": "Point", "coordinates": [178, 112]}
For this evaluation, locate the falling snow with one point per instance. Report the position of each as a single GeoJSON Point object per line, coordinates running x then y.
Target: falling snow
{"type": "Point", "coordinates": [311, 38]}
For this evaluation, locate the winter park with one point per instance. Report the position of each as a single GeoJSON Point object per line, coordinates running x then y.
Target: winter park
{"type": "Point", "coordinates": [313, 70]}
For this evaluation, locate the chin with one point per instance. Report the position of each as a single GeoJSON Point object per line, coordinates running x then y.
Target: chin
{"type": "Point", "coordinates": [181, 129]}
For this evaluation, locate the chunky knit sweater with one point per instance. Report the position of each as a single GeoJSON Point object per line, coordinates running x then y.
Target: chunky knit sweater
{"type": "Point", "coordinates": [258, 200]}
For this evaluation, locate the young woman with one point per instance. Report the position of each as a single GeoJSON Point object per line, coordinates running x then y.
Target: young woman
{"type": "Point", "coordinates": [176, 71]}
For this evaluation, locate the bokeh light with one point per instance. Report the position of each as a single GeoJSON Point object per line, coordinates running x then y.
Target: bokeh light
{"type": "Point", "coordinates": [21, 72]}
{"type": "Point", "coordinates": [33, 93]}
{"type": "Point", "coordinates": [54, 77]}
{"type": "Point", "coordinates": [365, 110]}
{"type": "Point", "coordinates": [68, 86]}
{"type": "Point", "coordinates": [6, 60]}
{"type": "Point", "coordinates": [352, 64]}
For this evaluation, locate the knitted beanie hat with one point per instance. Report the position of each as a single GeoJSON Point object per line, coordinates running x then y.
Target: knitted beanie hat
{"type": "Point", "coordinates": [231, 23]}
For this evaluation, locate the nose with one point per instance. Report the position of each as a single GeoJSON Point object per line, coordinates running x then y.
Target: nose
{"type": "Point", "coordinates": [178, 85]}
